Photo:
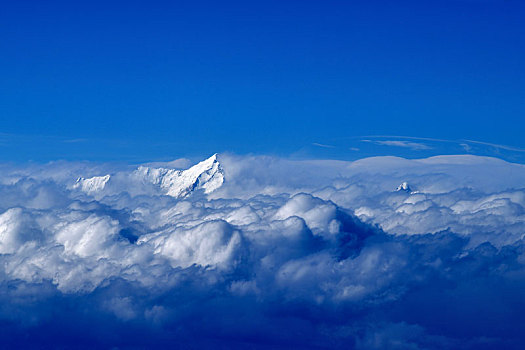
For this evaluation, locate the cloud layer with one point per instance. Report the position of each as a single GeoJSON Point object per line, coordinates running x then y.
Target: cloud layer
{"type": "Point", "coordinates": [279, 254]}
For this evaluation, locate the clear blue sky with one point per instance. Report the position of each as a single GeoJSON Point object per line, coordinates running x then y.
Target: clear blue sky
{"type": "Point", "coordinates": [149, 80]}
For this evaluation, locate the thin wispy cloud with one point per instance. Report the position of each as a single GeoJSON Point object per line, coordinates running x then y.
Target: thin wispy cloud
{"type": "Point", "coordinates": [322, 145]}
{"type": "Point", "coordinates": [79, 140]}
{"type": "Point", "coordinates": [407, 138]}
{"type": "Point", "coordinates": [400, 143]}
{"type": "Point", "coordinates": [495, 145]}
{"type": "Point", "coordinates": [466, 147]}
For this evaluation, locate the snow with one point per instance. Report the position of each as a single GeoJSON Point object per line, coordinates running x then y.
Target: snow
{"type": "Point", "coordinates": [92, 185]}
{"type": "Point", "coordinates": [207, 175]}
{"type": "Point", "coordinates": [404, 187]}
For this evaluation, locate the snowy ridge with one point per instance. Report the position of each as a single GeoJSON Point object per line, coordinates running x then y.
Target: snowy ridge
{"type": "Point", "coordinates": [92, 185]}
{"type": "Point", "coordinates": [207, 175]}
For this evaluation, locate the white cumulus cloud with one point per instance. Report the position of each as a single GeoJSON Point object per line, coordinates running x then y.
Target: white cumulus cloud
{"type": "Point", "coordinates": [259, 251]}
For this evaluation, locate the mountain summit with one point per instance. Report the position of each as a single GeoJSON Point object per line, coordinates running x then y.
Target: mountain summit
{"type": "Point", "coordinates": [404, 187]}
{"type": "Point", "coordinates": [93, 184]}
{"type": "Point", "coordinates": [207, 175]}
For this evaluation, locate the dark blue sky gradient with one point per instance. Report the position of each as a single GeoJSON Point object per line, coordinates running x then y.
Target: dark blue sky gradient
{"type": "Point", "coordinates": [150, 80]}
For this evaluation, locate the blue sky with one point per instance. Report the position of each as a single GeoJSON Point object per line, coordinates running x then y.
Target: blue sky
{"type": "Point", "coordinates": [158, 80]}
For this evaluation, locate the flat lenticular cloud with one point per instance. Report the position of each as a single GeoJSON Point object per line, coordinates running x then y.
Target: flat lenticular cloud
{"type": "Point", "coordinates": [265, 252]}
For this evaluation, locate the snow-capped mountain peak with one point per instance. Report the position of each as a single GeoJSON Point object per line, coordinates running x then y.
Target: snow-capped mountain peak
{"type": "Point", "coordinates": [92, 185]}
{"type": "Point", "coordinates": [404, 187]}
{"type": "Point", "coordinates": [207, 175]}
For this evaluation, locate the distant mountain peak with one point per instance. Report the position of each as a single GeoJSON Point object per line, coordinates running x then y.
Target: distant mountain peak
{"type": "Point", "coordinates": [207, 175]}
{"type": "Point", "coordinates": [92, 184]}
{"type": "Point", "coordinates": [404, 187]}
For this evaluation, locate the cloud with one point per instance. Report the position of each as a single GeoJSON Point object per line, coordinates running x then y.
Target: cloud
{"type": "Point", "coordinates": [400, 143]}
{"type": "Point", "coordinates": [504, 147]}
{"type": "Point", "coordinates": [466, 147]}
{"type": "Point", "coordinates": [284, 254]}
{"type": "Point", "coordinates": [322, 145]}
